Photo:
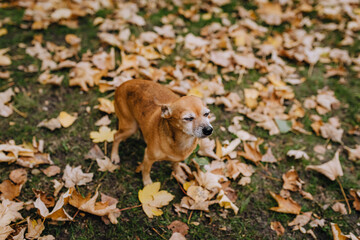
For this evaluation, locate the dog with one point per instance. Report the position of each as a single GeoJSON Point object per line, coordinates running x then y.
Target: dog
{"type": "Point", "coordinates": [171, 125]}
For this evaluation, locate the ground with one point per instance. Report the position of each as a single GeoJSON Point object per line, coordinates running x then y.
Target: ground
{"type": "Point", "coordinates": [69, 145]}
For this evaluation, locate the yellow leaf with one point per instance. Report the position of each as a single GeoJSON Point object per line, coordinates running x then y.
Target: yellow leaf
{"type": "Point", "coordinates": [106, 105]}
{"type": "Point", "coordinates": [104, 134]}
{"type": "Point", "coordinates": [152, 199]}
{"type": "Point", "coordinates": [251, 96]}
{"type": "Point", "coordinates": [66, 119]}
{"type": "Point", "coordinates": [3, 31]}
{"type": "Point", "coordinates": [195, 92]}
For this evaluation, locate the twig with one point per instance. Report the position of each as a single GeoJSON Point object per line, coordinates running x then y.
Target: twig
{"type": "Point", "coordinates": [92, 162]}
{"type": "Point", "coordinates": [24, 115]}
{"type": "Point", "coordinates": [105, 148]}
{"type": "Point", "coordinates": [343, 192]}
{"type": "Point", "coordinates": [76, 214]}
{"type": "Point", "coordinates": [158, 233]}
{"type": "Point", "coordinates": [182, 189]}
{"type": "Point", "coordinates": [127, 208]}
{"type": "Point", "coordinates": [310, 71]}
{"type": "Point", "coordinates": [17, 223]}
{"type": "Point", "coordinates": [102, 177]}
{"type": "Point", "coordinates": [190, 216]}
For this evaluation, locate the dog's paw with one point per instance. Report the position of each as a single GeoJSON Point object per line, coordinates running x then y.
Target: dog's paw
{"type": "Point", "coordinates": [147, 181]}
{"type": "Point", "coordinates": [115, 159]}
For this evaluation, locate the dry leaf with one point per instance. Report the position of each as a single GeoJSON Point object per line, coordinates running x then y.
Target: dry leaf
{"type": "Point", "coordinates": [331, 169]}
{"type": "Point", "coordinates": [51, 124]}
{"type": "Point", "coordinates": [198, 194]}
{"type": "Point", "coordinates": [354, 154]}
{"type": "Point", "coordinates": [297, 154]}
{"type": "Point", "coordinates": [337, 234]}
{"type": "Point", "coordinates": [9, 190]}
{"type": "Point", "coordinates": [177, 236]}
{"type": "Point", "coordinates": [105, 164]}
{"type": "Point", "coordinates": [330, 131]}
{"type": "Point", "coordinates": [18, 176]}
{"type": "Point", "coordinates": [65, 119]}
{"type": "Point", "coordinates": [300, 220]}
{"type": "Point", "coordinates": [251, 152]}
{"type": "Point", "coordinates": [20, 235]}
{"type": "Point", "coordinates": [225, 202]}
{"type": "Point", "coordinates": [244, 181]}
{"type": "Point", "coordinates": [235, 167]}
{"type": "Point", "coordinates": [106, 105]}
{"type": "Point", "coordinates": [51, 171]}
{"type": "Point", "coordinates": [35, 228]}
{"type": "Point", "coordinates": [84, 75]}
{"type": "Point", "coordinates": [268, 157]}
{"type": "Point", "coordinates": [57, 186]}
{"type": "Point", "coordinates": [104, 134]}
{"type": "Point", "coordinates": [94, 153]}
{"type": "Point", "coordinates": [278, 228]}
{"type": "Point", "coordinates": [285, 205]}
{"type": "Point", "coordinates": [48, 200]}
{"type": "Point", "coordinates": [89, 205]}
{"type": "Point", "coordinates": [230, 147]}
{"type": "Point", "coordinates": [251, 96]}
{"type": "Point", "coordinates": [9, 212]}
{"type": "Point", "coordinates": [75, 176]}
{"type": "Point", "coordinates": [356, 195]}
{"type": "Point", "coordinates": [5, 231]}
{"type": "Point", "coordinates": [207, 148]}
{"type": "Point", "coordinates": [4, 59]}
{"type": "Point", "coordinates": [340, 208]}
{"type": "Point", "coordinates": [104, 121]}
{"type": "Point", "coordinates": [152, 199]}
{"type": "Point", "coordinates": [292, 181]}
{"type": "Point", "coordinates": [179, 227]}
{"type": "Point", "coordinates": [5, 97]}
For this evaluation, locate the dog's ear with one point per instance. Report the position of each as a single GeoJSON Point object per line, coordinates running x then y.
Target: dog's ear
{"type": "Point", "coordinates": [166, 111]}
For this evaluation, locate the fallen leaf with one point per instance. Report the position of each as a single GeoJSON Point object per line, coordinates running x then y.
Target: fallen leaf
{"type": "Point", "coordinates": [5, 98]}
{"type": "Point", "coordinates": [9, 212]}
{"type": "Point", "coordinates": [35, 228]}
{"type": "Point", "coordinates": [94, 153]}
{"type": "Point", "coordinates": [65, 119]}
{"type": "Point", "coordinates": [329, 131]}
{"type": "Point", "coordinates": [230, 147]}
{"type": "Point", "coordinates": [104, 134]}
{"type": "Point", "coordinates": [234, 168]}
{"type": "Point", "coordinates": [85, 76]}
{"type": "Point", "coordinates": [285, 205]}
{"type": "Point", "coordinates": [51, 171]}
{"type": "Point", "coordinates": [152, 199]}
{"type": "Point", "coordinates": [337, 234]}
{"type": "Point", "coordinates": [244, 181]}
{"type": "Point", "coordinates": [57, 186]}
{"type": "Point", "coordinates": [20, 235]}
{"type": "Point", "coordinates": [225, 202]}
{"type": "Point", "coordinates": [104, 121]}
{"type": "Point", "coordinates": [300, 220]}
{"type": "Point", "coordinates": [5, 231]}
{"type": "Point", "coordinates": [331, 169]}
{"type": "Point", "coordinates": [207, 148]}
{"type": "Point", "coordinates": [105, 164]}
{"type": "Point", "coordinates": [251, 96]}
{"type": "Point", "coordinates": [268, 157]}
{"type": "Point", "coordinates": [297, 154]}
{"type": "Point", "coordinates": [4, 59]}
{"type": "Point", "coordinates": [106, 105]}
{"type": "Point", "coordinates": [354, 154]}
{"type": "Point", "coordinates": [292, 181]}
{"type": "Point", "coordinates": [340, 208]}
{"type": "Point", "coordinates": [251, 152]}
{"type": "Point", "coordinates": [179, 227]}
{"type": "Point", "coordinates": [49, 201]}
{"type": "Point", "coordinates": [88, 204]}
{"type": "Point", "coordinates": [9, 190]}
{"type": "Point", "coordinates": [278, 228]}
{"type": "Point", "coordinates": [51, 124]}
{"type": "Point", "coordinates": [75, 176]}
{"type": "Point", "coordinates": [356, 195]}
{"type": "Point", "coordinates": [177, 236]}
{"type": "Point", "coordinates": [18, 176]}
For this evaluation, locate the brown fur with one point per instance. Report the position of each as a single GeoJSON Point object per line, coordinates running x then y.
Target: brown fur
{"type": "Point", "coordinates": [159, 113]}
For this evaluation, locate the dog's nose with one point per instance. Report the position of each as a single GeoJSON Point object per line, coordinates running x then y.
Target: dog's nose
{"type": "Point", "coordinates": [207, 130]}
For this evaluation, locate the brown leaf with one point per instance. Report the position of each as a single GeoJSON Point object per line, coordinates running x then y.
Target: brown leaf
{"type": "Point", "coordinates": [278, 228]}
{"type": "Point", "coordinates": [292, 181]}
{"type": "Point", "coordinates": [235, 167]}
{"type": "Point", "coordinates": [32, 161]}
{"type": "Point", "coordinates": [9, 190]}
{"type": "Point", "coordinates": [49, 201]}
{"type": "Point", "coordinates": [88, 204]}
{"type": "Point", "coordinates": [331, 169]}
{"type": "Point", "coordinates": [94, 153]}
{"type": "Point", "coordinates": [178, 226]}
{"type": "Point", "coordinates": [18, 176]}
{"type": "Point", "coordinates": [268, 157]}
{"type": "Point", "coordinates": [207, 148]}
{"type": "Point", "coordinates": [51, 171]}
{"type": "Point", "coordinates": [354, 154]}
{"type": "Point", "coordinates": [337, 234]}
{"type": "Point", "coordinates": [251, 152]}
{"type": "Point", "coordinates": [35, 228]}
{"type": "Point", "coordinates": [340, 208]}
{"type": "Point", "coordinates": [285, 205]}
{"type": "Point", "coordinates": [356, 196]}
{"type": "Point", "coordinates": [300, 220]}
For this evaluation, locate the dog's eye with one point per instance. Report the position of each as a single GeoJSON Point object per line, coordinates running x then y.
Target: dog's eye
{"type": "Point", "coordinates": [206, 114]}
{"type": "Point", "coordinates": [189, 119]}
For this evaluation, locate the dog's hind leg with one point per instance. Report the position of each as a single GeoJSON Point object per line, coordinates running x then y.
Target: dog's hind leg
{"type": "Point", "coordinates": [146, 168]}
{"type": "Point", "coordinates": [126, 129]}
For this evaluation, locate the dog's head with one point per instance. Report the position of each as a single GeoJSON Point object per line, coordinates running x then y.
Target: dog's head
{"type": "Point", "coordinates": [190, 115]}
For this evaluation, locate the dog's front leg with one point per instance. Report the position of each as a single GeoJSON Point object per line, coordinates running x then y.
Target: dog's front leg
{"type": "Point", "coordinates": [146, 168]}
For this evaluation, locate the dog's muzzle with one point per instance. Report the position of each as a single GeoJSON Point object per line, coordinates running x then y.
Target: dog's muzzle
{"type": "Point", "coordinates": [207, 130]}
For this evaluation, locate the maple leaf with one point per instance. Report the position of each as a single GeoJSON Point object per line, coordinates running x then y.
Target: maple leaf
{"type": "Point", "coordinates": [268, 157]}
{"type": "Point", "coordinates": [88, 204]}
{"type": "Point", "coordinates": [340, 208]}
{"type": "Point", "coordinates": [356, 195]}
{"type": "Point", "coordinates": [94, 153]}
{"type": "Point", "coordinates": [292, 181]}
{"type": "Point", "coordinates": [104, 121]}
{"type": "Point", "coordinates": [84, 75]}
{"type": "Point", "coordinates": [9, 190]}
{"type": "Point", "coordinates": [105, 164]}
{"type": "Point", "coordinates": [235, 167]}
{"type": "Point", "coordinates": [152, 199]}
{"type": "Point", "coordinates": [337, 234]}
{"type": "Point", "coordinates": [51, 124]}
{"type": "Point", "coordinates": [9, 212]}
{"type": "Point", "coordinates": [5, 231]}
{"type": "Point", "coordinates": [198, 193]}
{"type": "Point", "coordinates": [18, 176]}
{"type": "Point", "coordinates": [285, 205]}
{"type": "Point", "coordinates": [251, 152]}
{"type": "Point", "coordinates": [297, 154]}
{"type": "Point", "coordinates": [35, 228]}
{"type": "Point", "coordinates": [179, 227]}
{"type": "Point", "coordinates": [104, 134]}
{"type": "Point", "coordinates": [331, 169]}
{"type": "Point", "coordinates": [51, 171]}
{"type": "Point", "coordinates": [75, 176]}
{"type": "Point", "coordinates": [207, 148]}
